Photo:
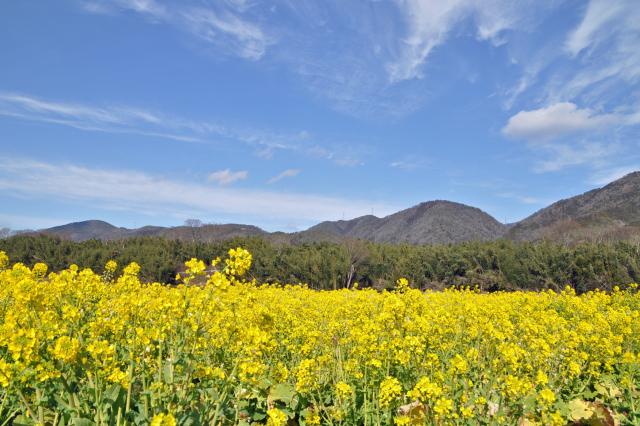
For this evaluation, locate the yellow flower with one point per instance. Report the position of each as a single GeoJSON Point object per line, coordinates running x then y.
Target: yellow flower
{"type": "Point", "coordinates": [459, 364]}
{"type": "Point", "coordinates": [628, 358]}
{"type": "Point", "coordinates": [4, 260]}
{"type": "Point", "coordinates": [546, 397]}
{"type": "Point", "coordinates": [541, 378]}
{"type": "Point", "coordinates": [39, 270]}
{"type": "Point", "coordinates": [390, 391]}
{"type": "Point", "coordinates": [425, 390]}
{"type": "Point", "coordinates": [574, 368]}
{"type": "Point", "coordinates": [132, 270]}
{"type": "Point", "coordinates": [238, 262]}
{"type": "Point", "coordinates": [443, 407]}
{"type": "Point", "coordinates": [111, 266]}
{"type": "Point", "coordinates": [219, 281]}
{"type": "Point", "coordinates": [402, 285]}
{"type": "Point", "coordinates": [402, 420]}
{"type": "Point", "coordinates": [195, 267]}
{"type": "Point", "coordinates": [312, 418]}
{"type": "Point", "coordinates": [163, 420]}
{"type": "Point", "coordinates": [343, 391]}
{"type": "Point", "coordinates": [66, 349]}
{"type": "Point", "coordinates": [276, 417]}
{"type": "Point", "coordinates": [5, 373]}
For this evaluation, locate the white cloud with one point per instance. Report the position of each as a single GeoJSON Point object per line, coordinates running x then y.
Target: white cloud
{"type": "Point", "coordinates": [141, 192]}
{"type": "Point", "coordinates": [285, 174]}
{"type": "Point", "coordinates": [226, 177]}
{"type": "Point", "coordinates": [557, 120]}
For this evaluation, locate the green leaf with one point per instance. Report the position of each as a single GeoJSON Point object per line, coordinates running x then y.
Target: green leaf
{"type": "Point", "coordinates": [259, 416]}
{"type": "Point", "coordinates": [22, 421]}
{"type": "Point", "coordinates": [601, 390]}
{"type": "Point", "coordinates": [62, 403]}
{"type": "Point", "coordinates": [77, 421]}
{"type": "Point", "coordinates": [282, 392]}
{"type": "Point", "coordinates": [112, 393]}
{"type": "Point", "coordinates": [580, 410]}
{"type": "Point", "coordinates": [529, 403]}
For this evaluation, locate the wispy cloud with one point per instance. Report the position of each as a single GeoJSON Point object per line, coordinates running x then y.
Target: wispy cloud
{"type": "Point", "coordinates": [142, 192]}
{"type": "Point", "coordinates": [593, 64]}
{"type": "Point", "coordinates": [285, 174]}
{"type": "Point", "coordinates": [587, 83]}
{"type": "Point", "coordinates": [228, 32]}
{"type": "Point", "coordinates": [598, 15]}
{"type": "Point", "coordinates": [222, 24]}
{"type": "Point", "coordinates": [20, 222]}
{"type": "Point", "coordinates": [430, 23]}
{"type": "Point", "coordinates": [116, 119]}
{"type": "Point", "coordinates": [226, 177]}
{"type": "Point", "coordinates": [606, 176]}
{"type": "Point", "coordinates": [408, 164]}
{"type": "Point", "coordinates": [365, 58]}
{"type": "Point", "coordinates": [560, 156]}
{"type": "Point", "coordinates": [140, 121]}
{"type": "Point", "coordinates": [524, 199]}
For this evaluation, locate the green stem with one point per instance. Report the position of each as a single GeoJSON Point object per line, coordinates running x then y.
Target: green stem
{"type": "Point", "coordinates": [26, 403]}
{"type": "Point", "coordinates": [40, 408]}
{"type": "Point", "coordinates": [130, 387]}
{"type": "Point", "coordinates": [4, 400]}
{"type": "Point", "coordinates": [10, 418]}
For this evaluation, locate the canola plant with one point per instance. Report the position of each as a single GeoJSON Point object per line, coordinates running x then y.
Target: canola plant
{"type": "Point", "coordinates": [84, 348]}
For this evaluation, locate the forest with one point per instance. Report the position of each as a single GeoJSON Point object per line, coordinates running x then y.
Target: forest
{"type": "Point", "coordinates": [491, 266]}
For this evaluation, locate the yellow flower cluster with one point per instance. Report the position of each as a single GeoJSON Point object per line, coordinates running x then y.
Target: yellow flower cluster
{"type": "Point", "coordinates": [76, 346]}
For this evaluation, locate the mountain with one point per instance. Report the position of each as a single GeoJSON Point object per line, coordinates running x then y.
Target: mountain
{"type": "Point", "coordinates": [433, 222]}
{"type": "Point", "coordinates": [608, 213]}
{"type": "Point", "coordinates": [87, 230]}
{"type": "Point", "coordinates": [100, 230]}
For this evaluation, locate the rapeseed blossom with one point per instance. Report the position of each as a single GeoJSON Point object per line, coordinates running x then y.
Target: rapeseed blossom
{"type": "Point", "coordinates": [108, 348]}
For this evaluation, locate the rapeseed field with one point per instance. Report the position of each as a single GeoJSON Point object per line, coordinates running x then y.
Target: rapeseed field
{"type": "Point", "coordinates": [79, 347]}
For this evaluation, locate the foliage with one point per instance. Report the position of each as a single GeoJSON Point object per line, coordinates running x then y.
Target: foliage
{"type": "Point", "coordinates": [82, 348]}
{"type": "Point", "coordinates": [498, 265]}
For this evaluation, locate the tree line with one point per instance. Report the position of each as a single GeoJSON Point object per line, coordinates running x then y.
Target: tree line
{"type": "Point", "coordinates": [497, 265]}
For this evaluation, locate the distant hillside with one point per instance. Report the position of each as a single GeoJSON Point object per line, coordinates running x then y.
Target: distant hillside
{"type": "Point", "coordinates": [100, 230]}
{"type": "Point", "coordinates": [87, 230]}
{"type": "Point", "coordinates": [433, 222]}
{"type": "Point", "coordinates": [611, 212]}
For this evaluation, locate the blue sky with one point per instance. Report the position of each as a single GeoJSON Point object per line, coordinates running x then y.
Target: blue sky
{"type": "Point", "coordinates": [285, 113]}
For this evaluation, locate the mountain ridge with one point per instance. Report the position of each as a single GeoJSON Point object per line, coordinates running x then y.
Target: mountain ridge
{"type": "Point", "coordinates": [611, 212]}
